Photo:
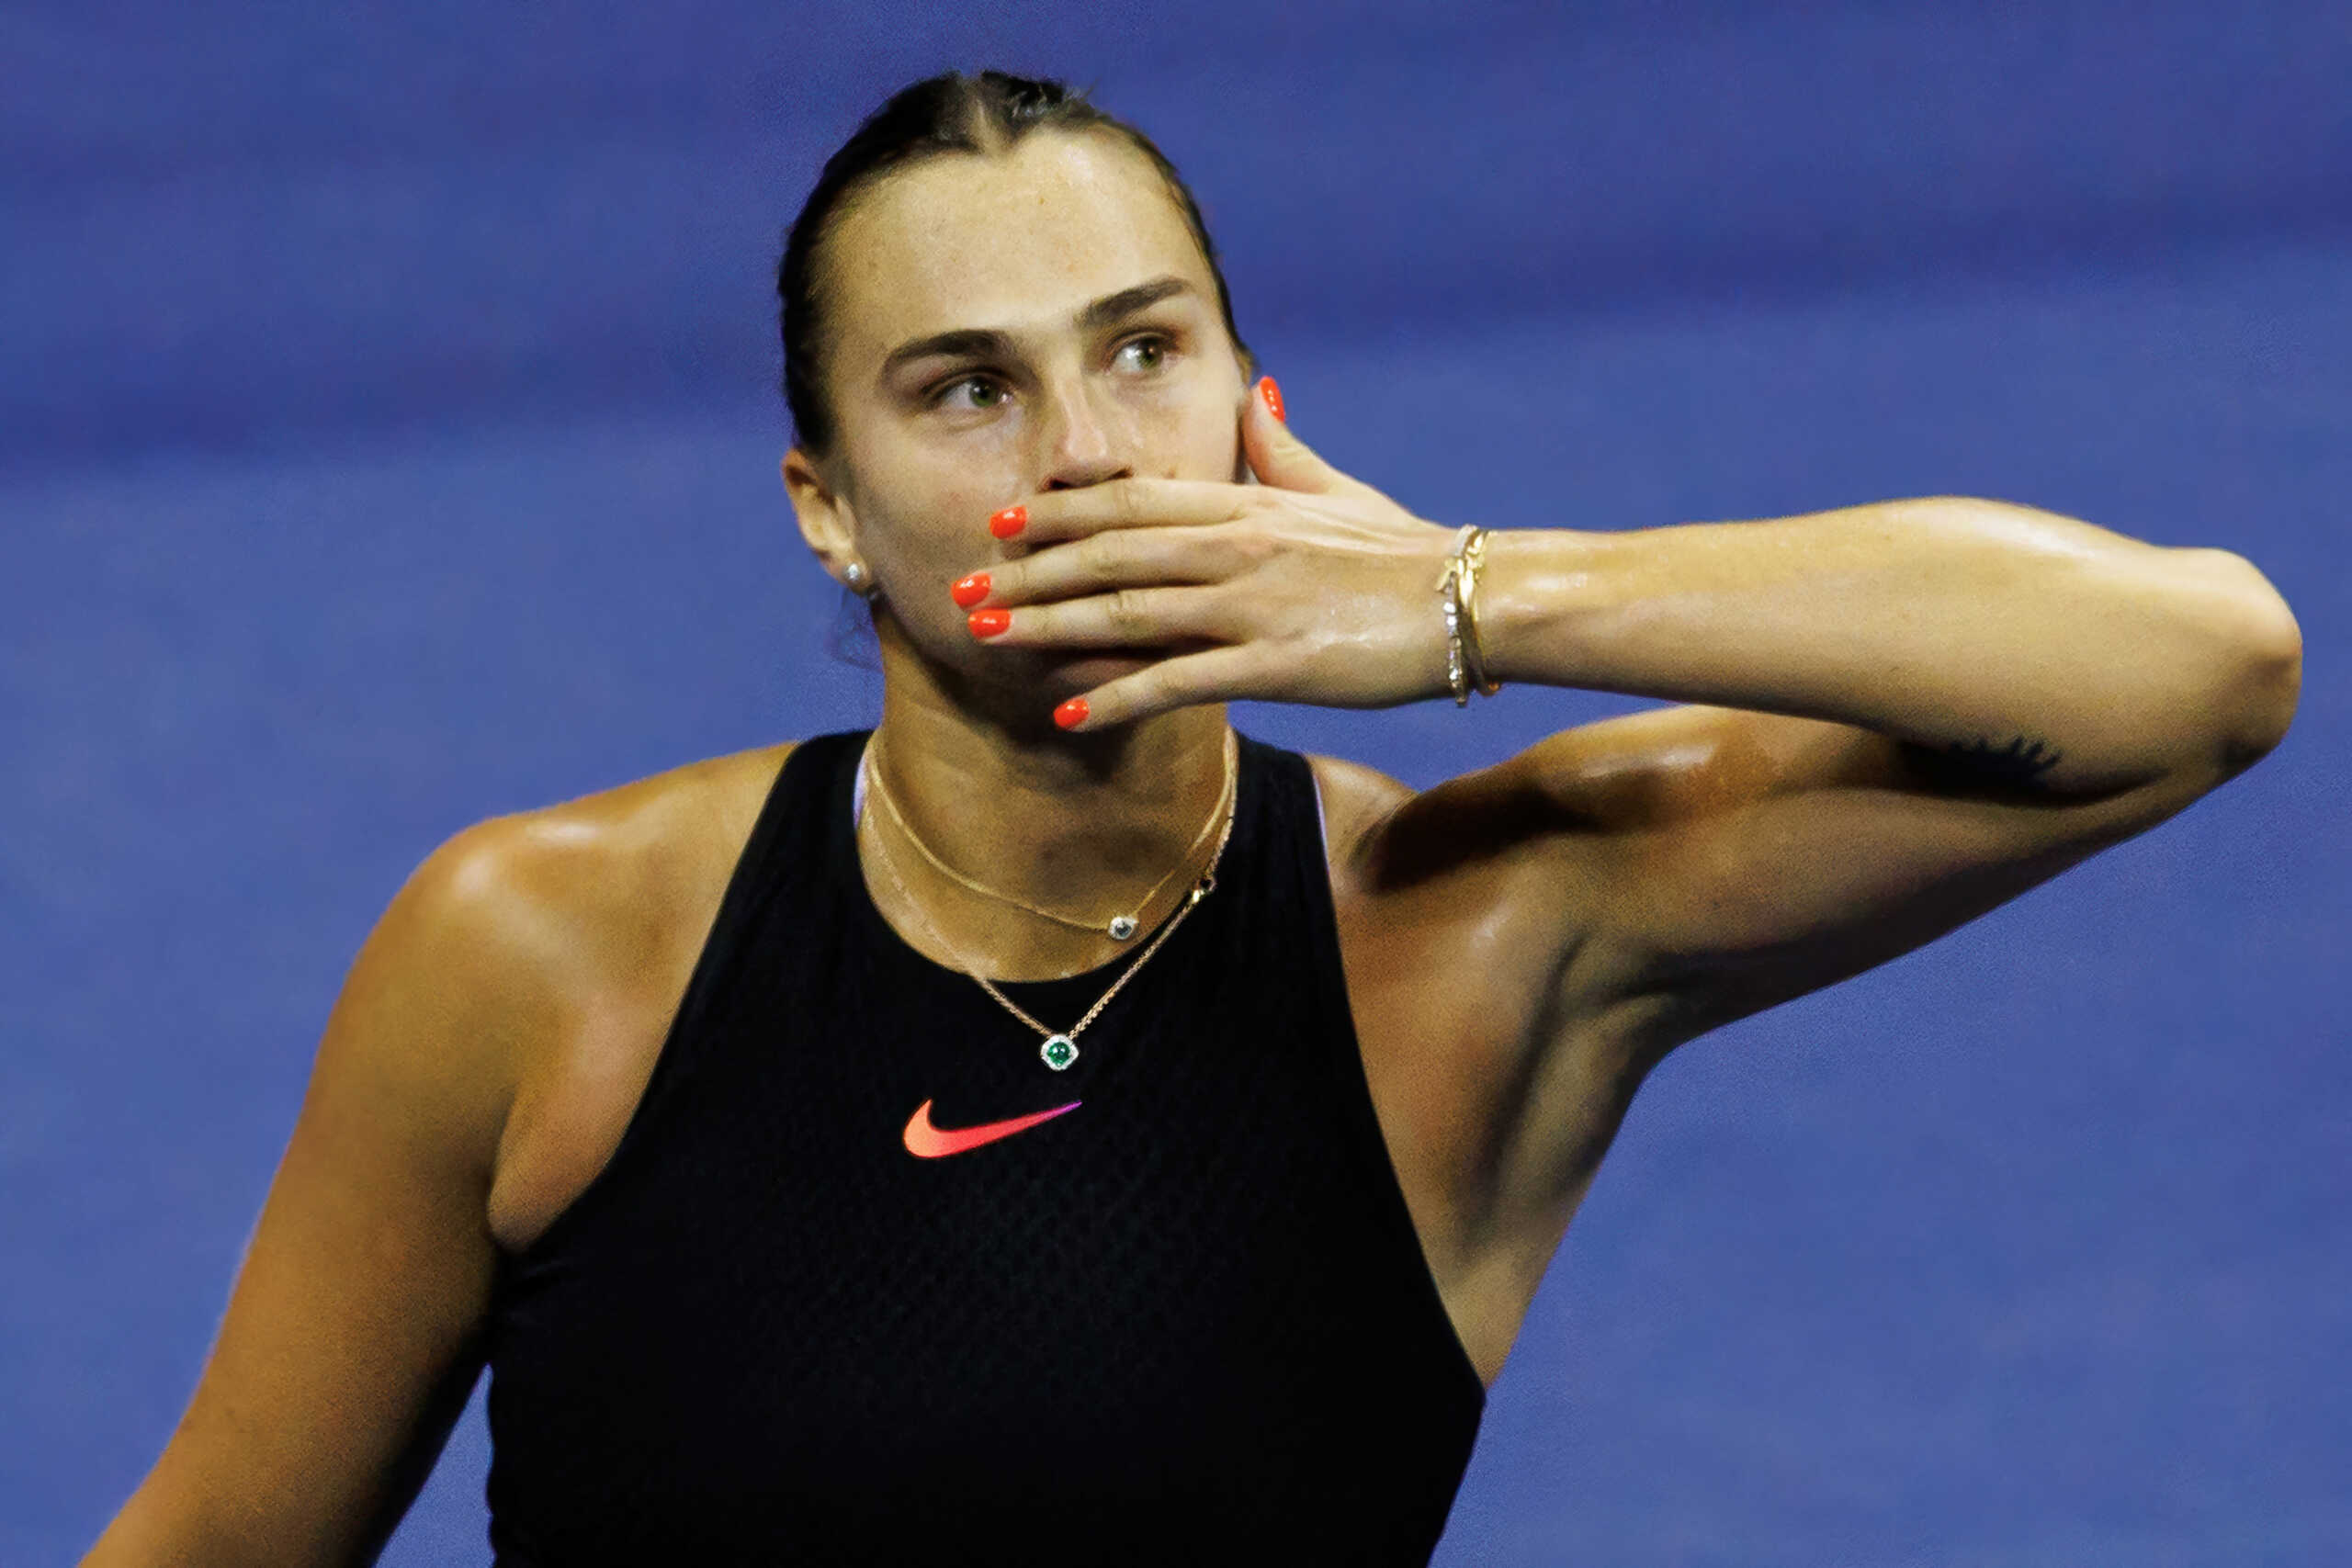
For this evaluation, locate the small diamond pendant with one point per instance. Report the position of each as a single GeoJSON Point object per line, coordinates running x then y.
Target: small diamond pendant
{"type": "Point", "coordinates": [1123, 928]}
{"type": "Point", "coordinates": [1058, 1052]}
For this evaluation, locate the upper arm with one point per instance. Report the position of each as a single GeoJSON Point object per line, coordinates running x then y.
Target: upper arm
{"type": "Point", "coordinates": [352, 1333]}
{"type": "Point", "coordinates": [1735, 860]}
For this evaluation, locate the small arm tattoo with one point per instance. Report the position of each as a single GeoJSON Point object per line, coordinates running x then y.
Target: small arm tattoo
{"type": "Point", "coordinates": [2018, 762]}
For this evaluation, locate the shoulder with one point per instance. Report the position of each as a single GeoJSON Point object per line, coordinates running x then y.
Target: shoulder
{"type": "Point", "coordinates": [1386, 838]}
{"type": "Point", "coordinates": [545, 952]}
{"type": "Point", "coordinates": [1357, 801]}
{"type": "Point", "coordinates": [1449, 879]}
{"type": "Point", "coordinates": [595, 867]}
{"type": "Point", "coordinates": [516, 929]}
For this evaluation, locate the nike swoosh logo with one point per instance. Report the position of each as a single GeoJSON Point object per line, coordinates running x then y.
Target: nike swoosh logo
{"type": "Point", "coordinates": [927, 1141]}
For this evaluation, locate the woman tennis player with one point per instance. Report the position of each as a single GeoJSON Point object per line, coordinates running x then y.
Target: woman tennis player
{"type": "Point", "coordinates": [1055, 1130]}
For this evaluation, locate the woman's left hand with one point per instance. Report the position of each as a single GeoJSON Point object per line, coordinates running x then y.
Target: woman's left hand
{"type": "Point", "coordinates": [1307, 587]}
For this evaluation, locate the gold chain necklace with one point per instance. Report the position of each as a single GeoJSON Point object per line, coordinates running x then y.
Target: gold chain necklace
{"type": "Point", "coordinates": [1059, 1048]}
{"type": "Point", "coordinates": [1118, 928]}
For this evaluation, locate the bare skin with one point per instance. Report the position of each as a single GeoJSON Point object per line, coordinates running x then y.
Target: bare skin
{"type": "Point", "coordinates": [1882, 722]}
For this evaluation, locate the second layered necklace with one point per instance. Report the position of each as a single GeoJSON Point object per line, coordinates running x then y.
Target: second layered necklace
{"type": "Point", "coordinates": [1059, 1048]}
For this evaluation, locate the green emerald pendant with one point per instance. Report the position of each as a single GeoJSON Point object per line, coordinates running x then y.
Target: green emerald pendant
{"type": "Point", "coordinates": [1058, 1052]}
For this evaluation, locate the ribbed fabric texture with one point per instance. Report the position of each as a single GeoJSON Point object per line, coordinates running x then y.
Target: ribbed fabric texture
{"type": "Point", "coordinates": [1187, 1321]}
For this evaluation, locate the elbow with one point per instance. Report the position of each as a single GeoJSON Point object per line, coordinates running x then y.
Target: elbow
{"type": "Point", "coordinates": [2266, 709]}
{"type": "Point", "coordinates": [2266, 678]}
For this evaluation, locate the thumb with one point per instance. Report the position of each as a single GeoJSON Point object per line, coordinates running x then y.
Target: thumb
{"type": "Point", "coordinates": [1276, 457]}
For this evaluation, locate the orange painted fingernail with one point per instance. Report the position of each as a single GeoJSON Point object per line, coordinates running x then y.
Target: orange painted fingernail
{"type": "Point", "coordinates": [1009, 522]}
{"type": "Point", "coordinates": [1273, 395]}
{"type": "Point", "coordinates": [1072, 713]}
{"type": "Point", "coordinates": [988, 623]}
{"type": "Point", "coordinates": [970, 590]}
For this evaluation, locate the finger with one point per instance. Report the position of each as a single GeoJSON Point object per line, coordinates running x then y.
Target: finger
{"type": "Point", "coordinates": [1123, 558]}
{"type": "Point", "coordinates": [1216, 675]}
{"type": "Point", "coordinates": [1130, 617]}
{"type": "Point", "coordinates": [1118, 503]}
{"type": "Point", "coordinates": [1278, 457]}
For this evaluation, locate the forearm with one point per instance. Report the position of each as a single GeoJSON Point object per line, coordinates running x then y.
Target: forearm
{"type": "Point", "coordinates": [1974, 628]}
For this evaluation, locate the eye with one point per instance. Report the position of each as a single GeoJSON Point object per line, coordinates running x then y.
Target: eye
{"type": "Point", "coordinates": [1142, 355]}
{"type": "Point", "coordinates": [969, 392]}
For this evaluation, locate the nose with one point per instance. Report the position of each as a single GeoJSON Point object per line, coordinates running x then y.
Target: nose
{"type": "Point", "coordinates": [1081, 447]}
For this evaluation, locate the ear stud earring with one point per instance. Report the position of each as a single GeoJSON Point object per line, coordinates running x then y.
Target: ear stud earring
{"type": "Point", "coordinates": [859, 582]}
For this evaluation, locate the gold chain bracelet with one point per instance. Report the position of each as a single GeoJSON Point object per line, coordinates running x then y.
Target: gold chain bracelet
{"type": "Point", "coordinates": [1465, 656]}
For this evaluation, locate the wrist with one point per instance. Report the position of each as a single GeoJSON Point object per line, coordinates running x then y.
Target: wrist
{"type": "Point", "coordinates": [1538, 589]}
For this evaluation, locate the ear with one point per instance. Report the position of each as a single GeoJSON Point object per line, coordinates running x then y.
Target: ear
{"type": "Point", "coordinates": [827, 521]}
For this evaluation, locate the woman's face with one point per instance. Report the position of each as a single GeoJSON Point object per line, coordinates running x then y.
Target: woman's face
{"type": "Point", "coordinates": [999, 326]}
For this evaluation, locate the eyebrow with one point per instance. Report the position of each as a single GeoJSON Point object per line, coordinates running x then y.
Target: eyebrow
{"type": "Point", "coordinates": [979, 343]}
{"type": "Point", "coordinates": [1127, 301]}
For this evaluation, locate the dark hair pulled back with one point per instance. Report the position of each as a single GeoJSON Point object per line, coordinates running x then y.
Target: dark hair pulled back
{"type": "Point", "coordinates": [947, 113]}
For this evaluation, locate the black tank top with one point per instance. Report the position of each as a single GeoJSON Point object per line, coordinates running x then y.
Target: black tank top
{"type": "Point", "coordinates": [1188, 1321]}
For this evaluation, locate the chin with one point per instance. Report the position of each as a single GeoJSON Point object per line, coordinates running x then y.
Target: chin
{"type": "Point", "coordinates": [1050, 679]}
{"type": "Point", "coordinates": [1039, 681]}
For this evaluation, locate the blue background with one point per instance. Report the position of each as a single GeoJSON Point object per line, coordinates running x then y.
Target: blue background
{"type": "Point", "coordinates": [387, 441]}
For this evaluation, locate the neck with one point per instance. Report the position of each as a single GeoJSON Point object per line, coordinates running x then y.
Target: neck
{"type": "Point", "coordinates": [1082, 825]}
